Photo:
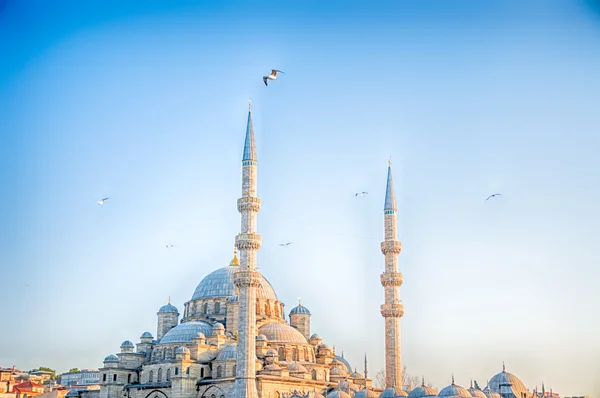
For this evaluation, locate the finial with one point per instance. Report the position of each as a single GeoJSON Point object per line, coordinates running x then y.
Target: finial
{"type": "Point", "coordinates": [234, 260]}
{"type": "Point", "coordinates": [389, 161]}
{"type": "Point", "coordinates": [299, 301]}
{"type": "Point", "coordinates": [503, 367]}
{"type": "Point", "coordinates": [169, 301]}
{"type": "Point", "coordinates": [334, 349]}
{"type": "Point", "coordinates": [250, 105]}
{"type": "Point", "coordinates": [342, 354]}
{"type": "Point", "coordinates": [452, 378]}
{"type": "Point", "coordinates": [471, 383]}
{"type": "Point", "coordinates": [422, 381]}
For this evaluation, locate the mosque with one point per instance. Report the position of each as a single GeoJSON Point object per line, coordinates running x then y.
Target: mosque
{"type": "Point", "coordinates": [233, 340]}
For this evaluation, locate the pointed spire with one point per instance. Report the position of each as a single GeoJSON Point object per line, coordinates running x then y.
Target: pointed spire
{"type": "Point", "coordinates": [169, 301]}
{"type": "Point", "coordinates": [422, 381]}
{"type": "Point", "coordinates": [249, 145]}
{"type": "Point", "coordinates": [471, 383]}
{"type": "Point", "coordinates": [452, 378]}
{"type": "Point", "coordinates": [503, 367]}
{"type": "Point", "coordinates": [390, 197]}
{"type": "Point", "coordinates": [342, 354]}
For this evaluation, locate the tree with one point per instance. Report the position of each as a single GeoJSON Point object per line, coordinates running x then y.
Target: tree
{"type": "Point", "coordinates": [407, 379]}
{"type": "Point", "coordinates": [44, 369]}
{"type": "Point", "coordinates": [74, 370]}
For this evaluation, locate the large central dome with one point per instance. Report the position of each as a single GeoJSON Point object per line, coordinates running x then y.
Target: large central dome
{"type": "Point", "coordinates": [219, 283]}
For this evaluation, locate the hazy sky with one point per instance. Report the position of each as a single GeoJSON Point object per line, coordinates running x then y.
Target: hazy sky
{"type": "Point", "coordinates": [146, 101]}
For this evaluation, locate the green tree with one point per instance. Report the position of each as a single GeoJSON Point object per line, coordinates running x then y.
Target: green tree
{"type": "Point", "coordinates": [74, 370]}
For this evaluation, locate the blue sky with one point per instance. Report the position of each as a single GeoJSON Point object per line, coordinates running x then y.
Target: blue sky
{"type": "Point", "coordinates": [146, 101]}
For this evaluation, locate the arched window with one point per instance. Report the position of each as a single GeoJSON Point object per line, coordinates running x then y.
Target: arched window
{"type": "Point", "coordinates": [267, 310]}
{"type": "Point", "coordinates": [187, 371]}
{"type": "Point", "coordinates": [176, 371]}
{"type": "Point", "coordinates": [257, 307]}
{"type": "Point", "coordinates": [217, 308]}
{"type": "Point", "coordinates": [201, 372]}
{"type": "Point", "coordinates": [205, 309]}
{"type": "Point", "coordinates": [314, 374]}
{"type": "Point", "coordinates": [276, 308]}
{"type": "Point", "coordinates": [219, 371]}
{"type": "Point", "coordinates": [294, 354]}
{"type": "Point", "coordinates": [281, 353]}
{"type": "Point", "coordinates": [213, 396]}
{"type": "Point", "coordinates": [159, 375]}
{"type": "Point", "coordinates": [168, 374]}
{"type": "Point", "coordinates": [115, 377]}
{"type": "Point", "coordinates": [234, 370]}
{"type": "Point", "coordinates": [151, 376]}
{"type": "Point", "coordinates": [129, 378]}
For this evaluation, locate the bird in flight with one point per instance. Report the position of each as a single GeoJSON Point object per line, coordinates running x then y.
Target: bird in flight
{"type": "Point", "coordinates": [272, 76]}
{"type": "Point", "coordinates": [101, 201]}
{"type": "Point", "coordinates": [491, 196]}
{"type": "Point", "coordinates": [170, 246]}
{"type": "Point", "coordinates": [361, 193]}
{"type": "Point", "coordinates": [285, 244]}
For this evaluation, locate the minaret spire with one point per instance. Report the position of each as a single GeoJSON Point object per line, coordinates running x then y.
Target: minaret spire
{"type": "Point", "coordinates": [391, 280]}
{"type": "Point", "coordinates": [247, 279]}
{"type": "Point", "coordinates": [366, 367]}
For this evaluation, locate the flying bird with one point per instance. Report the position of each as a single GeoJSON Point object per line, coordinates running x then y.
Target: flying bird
{"type": "Point", "coordinates": [361, 193]}
{"type": "Point", "coordinates": [285, 244]}
{"type": "Point", "coordinates": [101, 201]}
{"type": "Point", "coordinates": [272, 76]}
{"type": "Point", "coordinates": [170, 246]}
{"type": "Point", "coordinates": [491, 196]}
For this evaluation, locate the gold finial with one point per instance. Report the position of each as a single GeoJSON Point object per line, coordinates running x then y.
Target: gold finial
{"type": "Point", "coordinates": [234, 260]}
{"type": "Point", "coordinates": [169, 300]}
{"type": "Point", "coordinates": [389, 161]}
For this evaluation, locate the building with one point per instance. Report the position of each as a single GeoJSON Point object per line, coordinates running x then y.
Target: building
{"type": "Point", "coordinates": [83, 377]}
{"type": "Point", "coordinates": [233, 339]}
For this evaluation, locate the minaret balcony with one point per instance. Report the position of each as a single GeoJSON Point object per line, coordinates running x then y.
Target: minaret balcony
{"type": "Point", "coordinates": [392, 279]}
{"type": "Point", "coordinates": [248, 241]}
{"type": "Point", "coordinates": [395, 310]}
{"type": "Point", "coordinates": [247, 278]}
{"type": "Point", "coordinates": [248, 204]}
{"type": "Point", "coordinates": [391, 246]}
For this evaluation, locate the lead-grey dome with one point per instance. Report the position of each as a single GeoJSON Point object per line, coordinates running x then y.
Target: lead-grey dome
{"type": "Point", "coordinates": [504, 381]}
{"type": "Point", "coordinates": [282, 333]}
{"type": "Point", "coordinates": [127, 343]}
{"type": "Point", "coordinates": [393, 393]}
{"type": "Point", "coordinates": [299, 309]}
{"type": "Point", "coordinates": [219, 283]}
{"type": "Point", "coordinates": [365, 394]}
{"type": "Point", "coordinates": [111, 358]}
{"type": "Point", "coordinates": [454, 390]}
{"type": "Point", "coordinates": [168, 308]}
{"type": "Point", "coordinates": [146, 335]}
{"type": "Point", "coordinates": [185, 332]}
{"type": "Point", "coordinates": [344, 361]}
{"type": "Point", "coordinates": [423, 391]}
{"type": "Point", "coordinates": [182, 350]}
{"type": "Point", "coordinates": [227, 352]}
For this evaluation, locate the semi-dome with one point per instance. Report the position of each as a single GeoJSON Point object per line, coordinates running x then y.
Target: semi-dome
{"type": "Point", "coordinates": [262, 337]}
{"type": "Point", "coordinates": [111, 358]}
{"type": "Point", "coordinates": [219, 283]}
{"type": "Point", "coordinates": [299, 309]}
{"type": "Point", "coordinates": [454, 390]}
{"type": "Point", "coordinates": [344, 361]}
{"type": "Point", "coordinates": [393, 393]}
{"type": "Point", "coordinates": [185, 332]}
{"type": "Point", "coordinates": [507, 381]}
{"type": "Point", "coordinates": [146, 335]}
{"type": "Point", "coordinates": [271, 353]}
{"type": "Point", "coordinates": [127, 344]}
{"type": "Point", "coordinates": [282, 333]}
{"type": "Point", "coordinates": [227, 352]}
{"type": "Point", "coordinates": [168, 308]}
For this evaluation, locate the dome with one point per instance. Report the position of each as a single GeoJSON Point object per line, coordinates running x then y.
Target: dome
{"type": "Point", "coordinates": [422, 391]}
{"type": "Point", "coordinates": [315, 336]}
{"type": "Point", "coordinates": [365, 394]}
{"type": "Point", "coordinates": [185, 332]}
{"type": "Point", "coordinates": [227, 352]}
{"type": "Point", "coordinates": [219, 283]}
{"type": "Point", "coordinates": [507, 381]}
{"type": "Point", "coordinates": [182, 350]}
{"type": "Point", "coordinates": [282, 333]}
{"type": "Point", "coordinates": [272, 353]}
{"type": "Point", "coordinates": [337, 372]}
{"type": "Point", "coordinates": [344, 361]}
{"type": "Point", "coordinates": [111, 358]}
{"type": "Point", "coordinates": [261, 337]}
{"type": "Point", "coordinates": [454, 390]}
{"type": "Point", "coordinates": [339, 394]}
{"type": "Point", "coordinates": [146, 335]}
{"type": "Point", "coordinates": [200, 335]}
{"type": "Point", "coordinates": [168, 308]}
{"type": "Point", "coordinates": [218, 326]}
{"type": "Point", "coordinates": [324, 347]}
{"type": "Point", "coordinates": [475, 393]}
{"type": "Point", "coordinates": [299, 309]}
{"type": "Point", "coordinates": [72, 393]}
{"type": "Point", "coordinates": [392, 393]}
{"type": "Point", "coordinates": [491, 394]}
{"type": "Point", "coordinates": [356, 375]}
{"type": "Point", "coordinates": [296, 367]}
{"type": "Point", "coordinates": [127, 344]}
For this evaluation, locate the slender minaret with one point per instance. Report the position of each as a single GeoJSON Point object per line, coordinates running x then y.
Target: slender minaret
{"type": "Point", "coordinates": [391, 280]}
{"type": "Point", "coordinates": [247, 279]}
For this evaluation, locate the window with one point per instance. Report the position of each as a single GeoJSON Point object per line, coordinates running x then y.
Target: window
{"type": "Point", "coordinates": [114, 377]}
{"type": "Point", "coordinates": [129, 378]}
{"type": "Point", "coordinates": [205, 310]}
{"type": "Point", "coordinates": [104, 377]}
{"type": "Point", "coordinates": [159, 376]}
{"type": "Point", "coordinates": [294, 355]}
{"type": "Point", "coordinates": [151, 376]}
{"type": "Point", "coordinates": [187, 371]}
{"type": "Point", "coordinates": [176, 371]}
{"type": "Point", "coordinates": [168, 374]}
{"type": "Point", "coordinates": [217, 308]}
{"type": "Point", "coordinates": [219, 371]}
{"type": "Point", "coordinates": [234, 370]}
{"type": "Point", "coordinates": [314, 374]}
{"type": "Point", "coordinates": [201, 372]}
{"type": "Point", "coordinates": [281, 354]}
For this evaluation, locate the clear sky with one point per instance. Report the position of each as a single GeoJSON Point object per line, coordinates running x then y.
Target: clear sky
{"type": "Point", "coordinates": [146, 101]}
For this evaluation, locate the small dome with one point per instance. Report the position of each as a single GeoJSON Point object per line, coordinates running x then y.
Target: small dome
{"type": "Point", "coordinates": [72, 393]}
{"type": "Point", "coordinates": [365, 394]}
{"type": "Point", "coordinates": [491, 394]}
{"type": "Point", "coordinates": [299, 309]}
{"type": "Point", "coordinates": [324, 347]}
{"type": "Point", "coordinates": [185, 332]}
{"type": "Point", "coordinates": [218, 326]}
{"type": "Point", "coordinates": [423, 391]}
{"type": "Point", "coordinates": [508, 380]}
{"type": "Point", "coordinates": [168, 308]}
{"type": "Point", "coordinates": [272, 353]}
{"type": "Point", "coordinates": [146, 335]}
{"type": "Point", "coordinates": [475, 393]}
{"type": "Point", "coordinates": [227, 352]}
{"type": "Point", "coordinates": [282, 333]}
{"type": "Point", "coordinates": [296, 367]}
{"type": "Point", "coordinates": [200, 335]}
{"type": "Point", "coordinates": [356, 375]}
{"type": "Point", "coordinates": [344, 361]}
{"type": "Point", "coordinates": [393, 393]}
{"type": "Point", "coordinates": [261, 337]}
{"type": "Point", "coordinates": [127, 344]}
{"type": "Point", "coordinates": [335, 372]}
{"type": "Point", "coordinates": [454, 390]}
{"type": "Point", "coordinates": [182, 350]}
{"type": "Point", "coordinates": [315, 336]}
{"type": "Point", "coordinates": [111, 358]}
{"type": "Point", "coordinates": [339, 394]}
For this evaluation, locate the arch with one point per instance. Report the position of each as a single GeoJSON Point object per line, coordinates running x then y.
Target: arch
{"type": "Point", "coordinates": [159, 375]}
{"type": "Point", "coordinates": [214, 390]}
{"type": "Point", "coordinates": [217, 307]}
{"type": "Point", "coordinates": [267, 309]}
{"type": "Point", "coordinates": [257, 307]}
{"type": "Point", "coordinates": [294, 354]}
{"type": "Point", "coordinates": [276, 308]}
{"type": "Point", "coordinates": [151, 376]}
{"type": "Point", "coordinates": [156, 392]}
{"type": "Point", "coordinates": [201, 372]}
{"type": "Point", "coordinates": [234, 370]}
{"type": "Point", "coordinates": [169, 374]}
{"type": "Point", "coordinates": [176, 371]}
{"type": "Point", "coordinates": [281, 352]}
{"type": "Point", "coordinates": [205, 308]}
{"type": "Point", "coordinates": [314, 374]}
{"type": "Point", "coordinates": [187, 371]}
{"type": "Point", "coordinates": [219, 371]}
{"type": "Point", "coordinates": [129, 378]}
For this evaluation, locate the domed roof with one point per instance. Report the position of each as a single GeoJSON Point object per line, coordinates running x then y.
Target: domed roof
{"type": "Point", "coordinates": [295, 366]}
{"type": "Point", "coordinates": [491, 394]}
{"type": "Point", "coordinates": [475, 393]}
{"type": "Point", "coordinates": [507, 381]}
{"type": "Point", "coordinates": [168, 308]}
{"type": "Point", "coordinates": [218, 326]}
{"type": "Point", "coordinates": [227, 352]}
{"type": "Point", "coordinates": [146, 335]}
{"type": "Point", "coordinates": [282, 333]}
{"type": "Point", "coordinates": [344, 361]}
{"type": "Point", "coordinates": [392, 393]}
{"type": "Point", "coordinates": [454, 390]}
{"type": "Point", "coordinates": [423, 391]}
{"type": "Point", "coordinates": [261, 337]}
{"type": "Point", "coordinates": [337, 372]}
{"type": "Point", "coordinates": [299, 309]}
{"type": "Point", "coordinates": [315, 336]}
{"type": "Point", "coordinates": [111, 358]}
{"type": "Point", "coordinates": [127, 344]}
{"type": "Point", "coordinates": [365, 394]}
{"type": "Point", "coordinates": [182, 350]}
{"type": "Point", "coordinates": [185, 332]}
{"type": "Point", "coordinates": [339, 394]}
{"type": "Point", "coordinates": [72, 393]}
{"type": "Point", "coordinates": [356, 375]}
{"type": "Point", "coordinates": [272, 353]}
{"type": "Point", "coordinates": [219, 283]}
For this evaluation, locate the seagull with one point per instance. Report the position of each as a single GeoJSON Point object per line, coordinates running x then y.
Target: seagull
{"type": "Point", "coordinates": [170, 246]}
{"type": "Point", "coordinates": [101, 201]}
{"type": "Point", "coordinates": [272, 76]}
{"type": "Point", "coordinates": [361, 193]}
{"type": "Point", "coordinates": [491, 196]}
{"type": "Point", "coordinates": [285, 244]}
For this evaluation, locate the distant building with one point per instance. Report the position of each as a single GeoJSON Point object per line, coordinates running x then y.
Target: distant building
{"type": "Point", "coordinates": [83, 377]}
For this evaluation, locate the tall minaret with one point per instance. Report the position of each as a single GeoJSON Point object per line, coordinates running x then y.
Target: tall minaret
{"type": "Point", "coordinates": [391, 280]}
{"type": "Point", "coordinates": [247, 279]}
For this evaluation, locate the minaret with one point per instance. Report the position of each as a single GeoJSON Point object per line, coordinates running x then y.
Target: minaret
{"type": "Point", "coordinates": [366, 368]}
{"type": "Point", "coordinates": [391, 280]}
{"type": "Point", "coordinates": [247, 279]}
